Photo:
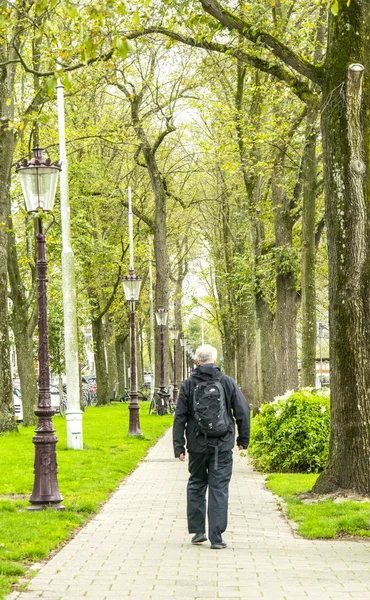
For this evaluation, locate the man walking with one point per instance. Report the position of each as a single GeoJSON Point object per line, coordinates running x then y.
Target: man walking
{"type": "Point", "coordinates": [208, 405]}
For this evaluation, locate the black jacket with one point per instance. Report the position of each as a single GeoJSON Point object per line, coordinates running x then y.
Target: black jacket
{"type": "Point", "coordinates": [185, 423]}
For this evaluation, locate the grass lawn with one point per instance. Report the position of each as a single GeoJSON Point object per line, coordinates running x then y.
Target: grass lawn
{"type": "Point", "coordinates": [86, 478]}
{"type": "Point", "coordinates": [326, 518]}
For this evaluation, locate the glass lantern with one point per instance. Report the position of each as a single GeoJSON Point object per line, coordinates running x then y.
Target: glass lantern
{"type": "Point", "coordinates": [174, 333]}
{"type": "Point", "coordinates": [39, 178]}
{"type": "Point", "coordinates": [161, 315]}
{"type": "Point", "coordinates": [131, 286]}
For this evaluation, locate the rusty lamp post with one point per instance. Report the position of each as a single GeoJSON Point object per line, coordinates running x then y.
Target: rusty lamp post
{"type": "Point", "coordinates": [39, 178]}
{"type": "Point", "coordinates": [174, 333]}
{"type": "Point", "coordinates": [131, 286]}
{"type": "Point", "coordinates": [161, 315]}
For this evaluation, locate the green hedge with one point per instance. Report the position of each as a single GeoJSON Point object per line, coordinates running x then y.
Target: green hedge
{"type": "Point", "coordinates": [292, 433]}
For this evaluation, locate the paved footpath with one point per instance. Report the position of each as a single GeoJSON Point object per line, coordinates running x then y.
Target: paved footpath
{"type": "Point", "coordinates": [138, 547]}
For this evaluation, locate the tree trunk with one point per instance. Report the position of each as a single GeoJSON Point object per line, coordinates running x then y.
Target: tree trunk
{"type": "Point", "coordinates": [100, 361]}
{"type": "Point", "coordinates": [23, 335]}
{"type": "Point", "coordinates": [9, 46]}
{"type": "Point", "coordinates": [7, 418]}
{"type": "Point", "coordinates": [228, 352]}
{"type": "Point", "coordinates": [346, 144]}
{"type": "Point", "coordinates": [161, 269]}
{"type": "Point", "coordinates": [120, 346]}
{"type": "Point", "coordinates": [247, 361]}
{"type": "Point", "coordinates": [182, 270]}
{"type": "Point", "coordinates": [160, 227]}
{"type": "Point", "coordinates": [111, 356]}
{"type": "Point", "coordinates": [308, 372]}
{"type": "Point", "coordinates": [266, 351]}
{"type": "Point", "coordinates": [286, 294]}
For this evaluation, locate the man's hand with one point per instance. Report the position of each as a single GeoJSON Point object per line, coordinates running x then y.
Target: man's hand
{"type": "Point", "coordinates": [241, 448]}
{"type": "Point", "coordinates": [182, 457]}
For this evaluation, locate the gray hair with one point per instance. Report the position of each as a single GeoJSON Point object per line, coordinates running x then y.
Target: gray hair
{"type": "Point", "coordinates": [205, 353]}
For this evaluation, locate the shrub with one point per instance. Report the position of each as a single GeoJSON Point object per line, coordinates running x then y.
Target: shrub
{"type": "Point", "coordinates": [292, 433]}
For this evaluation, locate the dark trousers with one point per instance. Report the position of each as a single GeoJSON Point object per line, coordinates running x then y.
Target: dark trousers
{"type": "Point", "coordinates": [203, 474]}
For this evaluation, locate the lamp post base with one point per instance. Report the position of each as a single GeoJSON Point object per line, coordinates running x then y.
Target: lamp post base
{"type": "Point", "coordinates": [45, 491]}
{"type": "Point", "coordinates": [134, 426]}
{"type": "Point", "coordinates": [49, 506]}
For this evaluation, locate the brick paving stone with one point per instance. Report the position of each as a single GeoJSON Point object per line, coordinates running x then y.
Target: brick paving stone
{"type": "Point", "coordinates": [138, 547]}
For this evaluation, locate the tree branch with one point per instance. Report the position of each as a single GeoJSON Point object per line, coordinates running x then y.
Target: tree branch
{"type": "Point", "coordinates": [28, 69]}
{"type": "Point", "coordinates": [118, 281]}
{"type": "Point", "coordinates": [261, 37]}
{"type": "Point", "coordinates": [139, 214]}
{"type": "Point", "coordinates": [298, 86]}
{"type": "Point", "coordinates": [169, 129]}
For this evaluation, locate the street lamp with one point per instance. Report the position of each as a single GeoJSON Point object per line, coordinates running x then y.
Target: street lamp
{"type": "Point", "coordinates": [183, 341]}
{"type": "Point", "coordinates": [131, 286]}
{"type": "Point", "coordinates": [188, 357]}
{"type": "Point", "coordinates": [161, 315]}
{"type": "Point", "coordinates": [39, 178]}
{"type": "Point", "coordinates": [174, 333]}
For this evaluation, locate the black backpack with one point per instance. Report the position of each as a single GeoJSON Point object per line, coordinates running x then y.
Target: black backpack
{"type": "Point", "coordinates": [210, 409]}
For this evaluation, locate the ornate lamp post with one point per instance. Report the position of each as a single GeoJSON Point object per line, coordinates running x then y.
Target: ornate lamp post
{"type": "Point", "coordinates": [188, 348]}
{"type": "Point", "coordinates": [131, 286]}
{"type": "Point", "coordinates": [183, 341]}
{"type": "Point", "coordinates": [39, 178]}
{"type": "Point", "coordinates": [161, 315]}
{"type": "Point", "coordinates": [174, 333]}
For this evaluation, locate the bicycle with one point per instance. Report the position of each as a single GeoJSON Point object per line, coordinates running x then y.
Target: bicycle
{"type": "Point", "coordinates": [63, 406]}
{"type": "Point", "coordinates": [126, 397]}
{"type": "Point", "coordinates": [161, 404]}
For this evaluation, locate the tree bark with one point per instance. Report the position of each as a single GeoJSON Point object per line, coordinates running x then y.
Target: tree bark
{"type": "Point", "coordinates": [181, 272]}
{"type": "Point", "coordinates": [266, 345]}
{"type": "Point", "coordinates": [160, 224]}
{"type": "Point", "coordinates": [7, 418]}
{"type": "Point", "coordinates": [286, 294]}
{"type": "Point", "coordinates": [100, 361]}
{"type": "Point", "coordinates": [308, 371]}
{"type": "Point", "coordinates": [111, 355]}
{"type": "Point", "coordinates": [247, 361]}
{"type": "Point", "coordinates": [23, 330]}
{"type": "Point", "coordinates": [121, 376]}
{"type": "Point", "coordinates": [345, 129]}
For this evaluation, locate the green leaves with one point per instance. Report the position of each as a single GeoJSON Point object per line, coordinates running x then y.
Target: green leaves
{"type": "Point", "coordinates": [121, 47]}
{"type": "Point", "coordinates": [292, 433]}
{"type": "Point", "coordinates": [334, 7]}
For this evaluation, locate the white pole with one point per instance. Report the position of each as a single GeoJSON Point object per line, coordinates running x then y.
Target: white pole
{"type": "Point", "coordinates": [130, 230]}
{"type": "Point", "coordinates": [151, 304]}
{"type": "Point", "coordinates": [202, 331]}
{"type": "Point", "coordinates": [74, 413]}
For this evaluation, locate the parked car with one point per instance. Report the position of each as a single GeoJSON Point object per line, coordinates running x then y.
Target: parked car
{"type": "Point", "coordinates": [18, 406]}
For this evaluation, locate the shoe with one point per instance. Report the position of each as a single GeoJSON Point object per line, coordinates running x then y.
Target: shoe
{"type": "Point", "coordinates": [219, 545]}
{"type": "Point", "coordinates": [198, 538]}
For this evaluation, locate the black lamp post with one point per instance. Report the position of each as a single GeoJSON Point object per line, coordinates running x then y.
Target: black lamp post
{"type": "Point", "coordinates": [183, 341]}
{"type": "Point", "coordinates": [39, 178]}
{"type": "Point", "coordinates": [174, 335]}
{"type": "Point", "coordinates": [131, 286]}
{"type": "Point", "coordinates": [188, 372]}
{"type": "Point", "coordinates": [161, 315]}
